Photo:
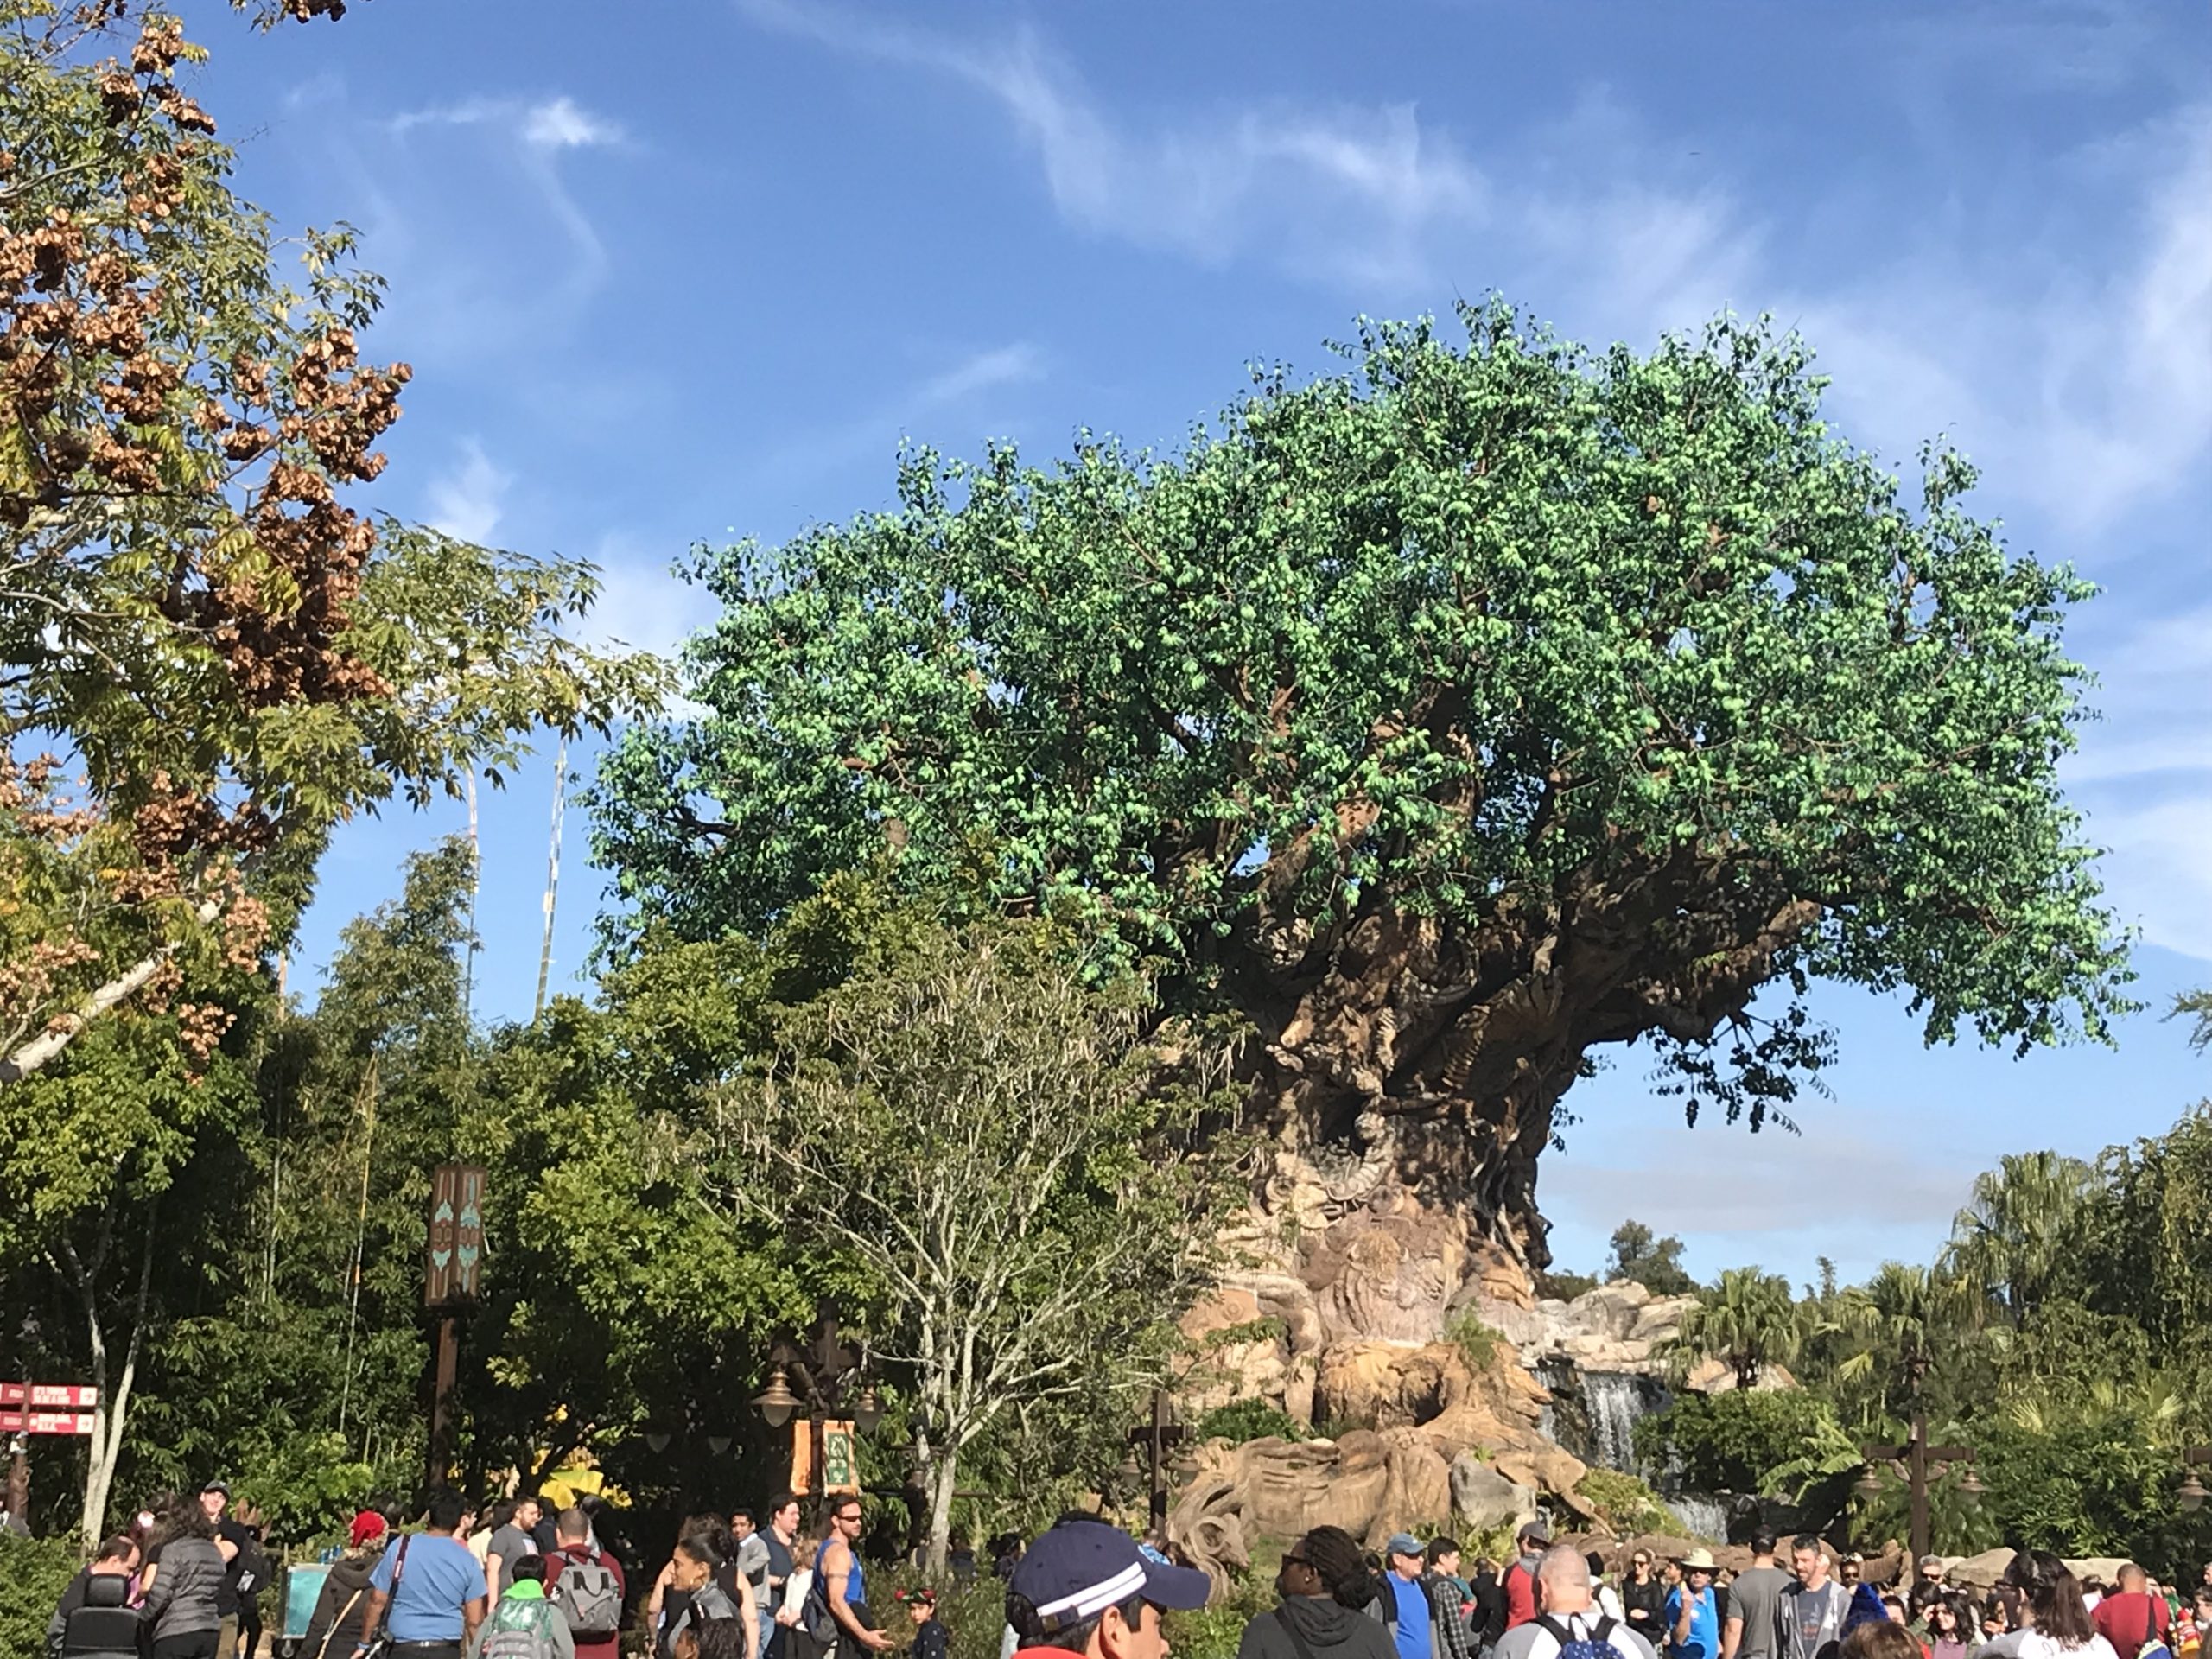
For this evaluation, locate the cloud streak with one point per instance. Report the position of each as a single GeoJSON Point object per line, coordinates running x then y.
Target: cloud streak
{"type": "Point", "coordinates": [468, 500]}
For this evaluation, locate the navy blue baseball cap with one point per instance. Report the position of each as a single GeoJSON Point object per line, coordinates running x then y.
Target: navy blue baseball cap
{"type": "Point", "coordinates": [1080, 1568]}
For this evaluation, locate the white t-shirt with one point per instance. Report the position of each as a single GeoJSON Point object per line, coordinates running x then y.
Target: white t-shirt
{"type": "Point", "coordinates": [2034, 1644]}
{"type": "Point", "coordinates": [1533, 1641]}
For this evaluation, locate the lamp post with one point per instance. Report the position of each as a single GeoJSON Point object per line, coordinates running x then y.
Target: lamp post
{"type": "Point", "coordinates": [2191, 1495]}
{"type": "Point", "coordinates": [1917, 1454]}
{"type": "Point", "coordinates": [824, 1369]}
{"type": "Point", "coordinates": [1156, 1436]}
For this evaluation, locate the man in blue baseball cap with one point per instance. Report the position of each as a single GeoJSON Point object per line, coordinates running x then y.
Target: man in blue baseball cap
{"type": "Point", "coordinates": [1086, 1587]}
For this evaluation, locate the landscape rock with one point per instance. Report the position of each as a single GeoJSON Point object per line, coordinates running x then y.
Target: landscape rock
{"type": "Point", "coordinates": [1483, 1499]}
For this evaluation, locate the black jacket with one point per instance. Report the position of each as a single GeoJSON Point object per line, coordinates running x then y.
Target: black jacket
{"type": "Point", "coordinates": [340, 1607]}
{"type": "Point", "coordinates": [1331, 1631]}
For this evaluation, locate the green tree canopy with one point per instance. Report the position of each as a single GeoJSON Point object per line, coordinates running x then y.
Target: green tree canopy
{"type": "Point", "coordinates": [1653, 1262]}
{"type": "Point", "coordinates": [1452, 715]}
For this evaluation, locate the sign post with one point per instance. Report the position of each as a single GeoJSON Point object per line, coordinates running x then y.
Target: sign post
{"type": "Point", "coordinates": [28, 1409]}
{"type": "Point", "coordinates": [453, 1253]}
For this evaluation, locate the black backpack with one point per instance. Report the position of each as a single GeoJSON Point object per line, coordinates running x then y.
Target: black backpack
{"type": "Point", "coordinates": [104, 1624]}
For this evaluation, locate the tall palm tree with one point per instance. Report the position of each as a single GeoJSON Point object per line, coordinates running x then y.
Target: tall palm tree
{"type": "Point", "coordinates": [2011, 1239]}
{"type": "Point", "coordinates": [1900, 1321]}
{"type": "Point", "coordinates": [1748, 1319]}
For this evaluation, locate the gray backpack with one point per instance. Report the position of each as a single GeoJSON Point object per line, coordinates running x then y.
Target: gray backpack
{"type": "Point", "coordinates": [590, 1599]}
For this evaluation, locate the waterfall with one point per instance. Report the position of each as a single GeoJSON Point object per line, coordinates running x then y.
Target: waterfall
{"type": "Point", "coordinates": [1705, 1517]}
{"type": "Point", "coordinates": [1612, 1401]}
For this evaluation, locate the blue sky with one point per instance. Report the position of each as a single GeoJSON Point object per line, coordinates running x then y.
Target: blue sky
{"type": "Point", "coordinates": [697, 274]}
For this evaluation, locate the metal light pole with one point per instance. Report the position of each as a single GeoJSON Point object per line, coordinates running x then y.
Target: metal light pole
{"type": "Point", "coordinates": [825, 1367]}
{"type": "Point", "coordinates": [1156, 1437]}
{"type": "Point", "coordinates": [1917, 1454]}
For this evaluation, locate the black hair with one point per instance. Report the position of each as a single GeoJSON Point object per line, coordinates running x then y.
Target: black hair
{"type": "Point", "coordinates": [445, 1509]}
{"type": "Point", "coordinates": [1335, 1557]}
{"type": "Point", "coordinates": [1808, 1541]}
{"type": "Point", "coordinates": [1595, 1562]}
{"type": "Point", "coordinates": [500, 1514]}
{"type": "Point", "coordinates": [782, 1501]}
{"type": "Point", "coordinates": [700, 1547]}
{"type": "Point", "coordinates": [528, 1566]}
{"type": "Point", "coordinates": [2054, 1595]}
{"type": "Point", "coordinates": [744, 1512]}
{"type": "Point", "coordinates": [719, 1638]}
{"type": "Point", "coordinates": [1765, 1541]}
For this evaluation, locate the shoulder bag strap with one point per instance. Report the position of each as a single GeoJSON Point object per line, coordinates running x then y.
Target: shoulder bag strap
{"type": "Point", "coordinates": [337, 1624]}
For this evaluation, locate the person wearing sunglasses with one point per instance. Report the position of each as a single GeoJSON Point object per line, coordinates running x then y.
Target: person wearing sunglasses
{"type": "Point", "coordinates": [1326, 1587]}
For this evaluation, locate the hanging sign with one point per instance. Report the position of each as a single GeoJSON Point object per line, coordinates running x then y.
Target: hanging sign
{"type": "Point", "coordinates": [455, 1247]}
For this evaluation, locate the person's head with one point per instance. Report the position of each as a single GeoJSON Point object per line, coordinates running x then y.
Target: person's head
{"type": "Point", "coordinates": [571, 1528]}
{"type": "Point", "coordinates": [1533, 1539]}
{"type": "Point", "coordinates": [1697, 1570]}
{"type": "Point", "coordinates": [119, 1554]}
{"type": "Point", "coordinates": [1083, 1586]}
{"type": "Point", "coordinates": [1443, 1556]}
{"type": "Point", "coordinates": [1894, 1606]}
{"type": "Point", "coordinates": [1849, 1569]}
{"type": "Point", "coordinates": [721, 1638]}
{"type": "Point", "coordinates": [783, 1514]}
{"type": "Point", "coordinates": [1402, 1555]}
{"type": "Point", "coordinates": [1595, 1562]}
{"type": "Point", "coordinates": [1639, 1565]}
{"type": "Point", "coordinates": [695, 1562]}
{"type": "Point", "coordinates": [711, 1526]}
{"type": "Point", "coordinates": [2130, 1579]}
{"type": "Point", "coordinates": [1931, 1569]}
{"type": "Point", "coordinates": [1922, 1597]}
{"type": "Point", "coordinates": [368, 1528]}
{"type": "Point", "coordinates": [1881, 1639]}
{"type": "Point", "coordinates": [920, 1604]}
{"type": "Point", "coordinates": [527, 1513]}
{"type": "Point", "coordinates": [741, 1524]}
{"type": "Point", "coordinates": [447, 1511]}
{"type": "Point", "coordinates": [190, 1517]}
{"type": "Point", "coordinates": [1765, 1542]}
{"type": "Point", "coordinates": [843, 1521]}
{"type": "Point", "coordinates": [2203, 1604]}
{"type": "Point", "coordinates": [215, 1497]}
{"type": "Point", "coordinates": [1326, 1561]}
{"type": "Point", "coordinates": [1946, 1618]}
{"type": "Point", "coordinates": [1993, 1619]}
{"type": "Point", "coordinates": [528, 1566]}
{"type": "Point", "coordinates": [2053, 1597]}
{"type": "Point", "coordinates": [1563, 1581]}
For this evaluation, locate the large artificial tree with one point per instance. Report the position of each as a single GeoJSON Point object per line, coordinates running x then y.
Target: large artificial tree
{"type": "Point", "coordinates": [1450, 717]}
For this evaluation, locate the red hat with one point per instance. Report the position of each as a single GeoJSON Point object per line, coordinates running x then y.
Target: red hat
{"type": "Point", "coordinates": [367, 1525]}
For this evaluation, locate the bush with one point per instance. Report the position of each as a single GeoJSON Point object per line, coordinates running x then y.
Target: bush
{"type": "Point", "coordinates": [1732, 1442]}
{"type": "Point", "coordinates": [1565, 1287]}
{"type": "Point", "coordinates": [1249, 1420]}
{"type": "Point", "coordinates": [974, 1614]}
{"type": "Point", "coordinates": [1626, 1505]}
{"type": "Point", "coordinates": [1214, 1632]}
{"type": "Point", "coordinates": [1475, 1340]}
{"type": "Point", "coordinates": [34, 1572]}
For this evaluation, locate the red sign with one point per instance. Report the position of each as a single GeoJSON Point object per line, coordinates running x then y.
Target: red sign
{"type": "Point", "coordinates": [67, 1396]}
{"type": "Point", "coordinates": [18, 1422]}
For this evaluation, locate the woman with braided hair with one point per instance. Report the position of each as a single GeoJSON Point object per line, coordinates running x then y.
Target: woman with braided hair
{"type": "Point", "coordinates": [1326, 1587]}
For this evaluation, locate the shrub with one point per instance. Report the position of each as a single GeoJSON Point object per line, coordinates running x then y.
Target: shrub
{"type": "Point", "coordinates": [1214, 1632]}
{"type": "Point", "coordinates": [1474, 1339]}
{"type": "Point", "coordinates": [1736, 1442]}
{"type": "Point", "coordinates": [34, 1572]}
{"type": "Point", "coordinates": [1626, 1505]}
{"type": "Point", "coordinates": [1249, 1420]}
{"type": "Point", "coordinates": [1564, 1287]}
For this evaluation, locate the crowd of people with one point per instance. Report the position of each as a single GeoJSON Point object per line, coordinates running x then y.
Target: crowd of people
{"type": "Point", "coordinates": [524, 1581]}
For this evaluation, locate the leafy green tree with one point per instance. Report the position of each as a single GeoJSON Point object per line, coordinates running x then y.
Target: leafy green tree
{"type": "Point", "coordinates": [1656, 1263]}
{"type": "Point", "coordinates": [1450, 717]}
{"type": "Point", "coordinates": [1902, 1325]}
{"type": "Point", "coordinates": [1748, 1319]}
{"type": "Point", "coordinates": [2146, 1233]}
{"type": "Point", "coordinates": [2013, 1239]}
{"type": "Point", "coordinates": [991, 1139]}
{"type": "Point", "coordinates": [1772, 1441]}
{"type": "Point", "coordinates": [2093, 1472]}
{"type": "Point", "coordinates": [229, 659]}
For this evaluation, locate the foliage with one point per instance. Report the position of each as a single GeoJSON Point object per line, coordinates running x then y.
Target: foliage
{"type": "Point", "coordinates": [1732, 1442]}
{"type": "Point", "coordinates": [1249, 1420]}
{"type": "Point", "coordinates": [1628, 1506]}
{"type": "Point", "coordinates": [2010, 1241]}
{"type": "Point", "coordinates": [1476, 1342]}
{"type": "Point", "coordinates": [1495, 634]}
{"type": "Point", "coordinates": [1748, 1319]}
{"type": "Point", "coordinates": [2146, 1251]}
{"type": "Point", "coordinates": [1215, 1630]}
{"type": "Point", "coordinates": [231, 659]}
{"type": "Point", "coordinates": [1563, 1287]}
{"type": "Point", "coordinates": [34, 1572]}
{"type": "Point", "coordinates": [2093, 1472]}
{"type": "Point", "coordinates": [973, 1614]}
{"type": "Point", "coordinates": [995, 1145]}
{"type": "Point", "coordinates": [1655, 1263]}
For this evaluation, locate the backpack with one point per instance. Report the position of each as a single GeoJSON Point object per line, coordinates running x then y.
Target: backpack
{"type": "Point", "coordinates": [252, 1568]}
{"type": "Point", "coordinates": [1597, 1645]}
{"type": "Point", "coordinates": [104, 1624]}
{"type": "Point", "coordinates": [589, 1601]}
{"type": "Point", "coordinates": [519, 1629]}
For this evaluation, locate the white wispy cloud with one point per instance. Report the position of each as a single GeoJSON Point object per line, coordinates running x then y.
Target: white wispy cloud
{"type": "Point", "coordinates": [467, 500]}
{"type": "Point", "coordinates": [559, 125]}
{"type": "Point", "coordinates": [1001, 365]}
{"type": "Point", "coordinates": [557, 122]}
